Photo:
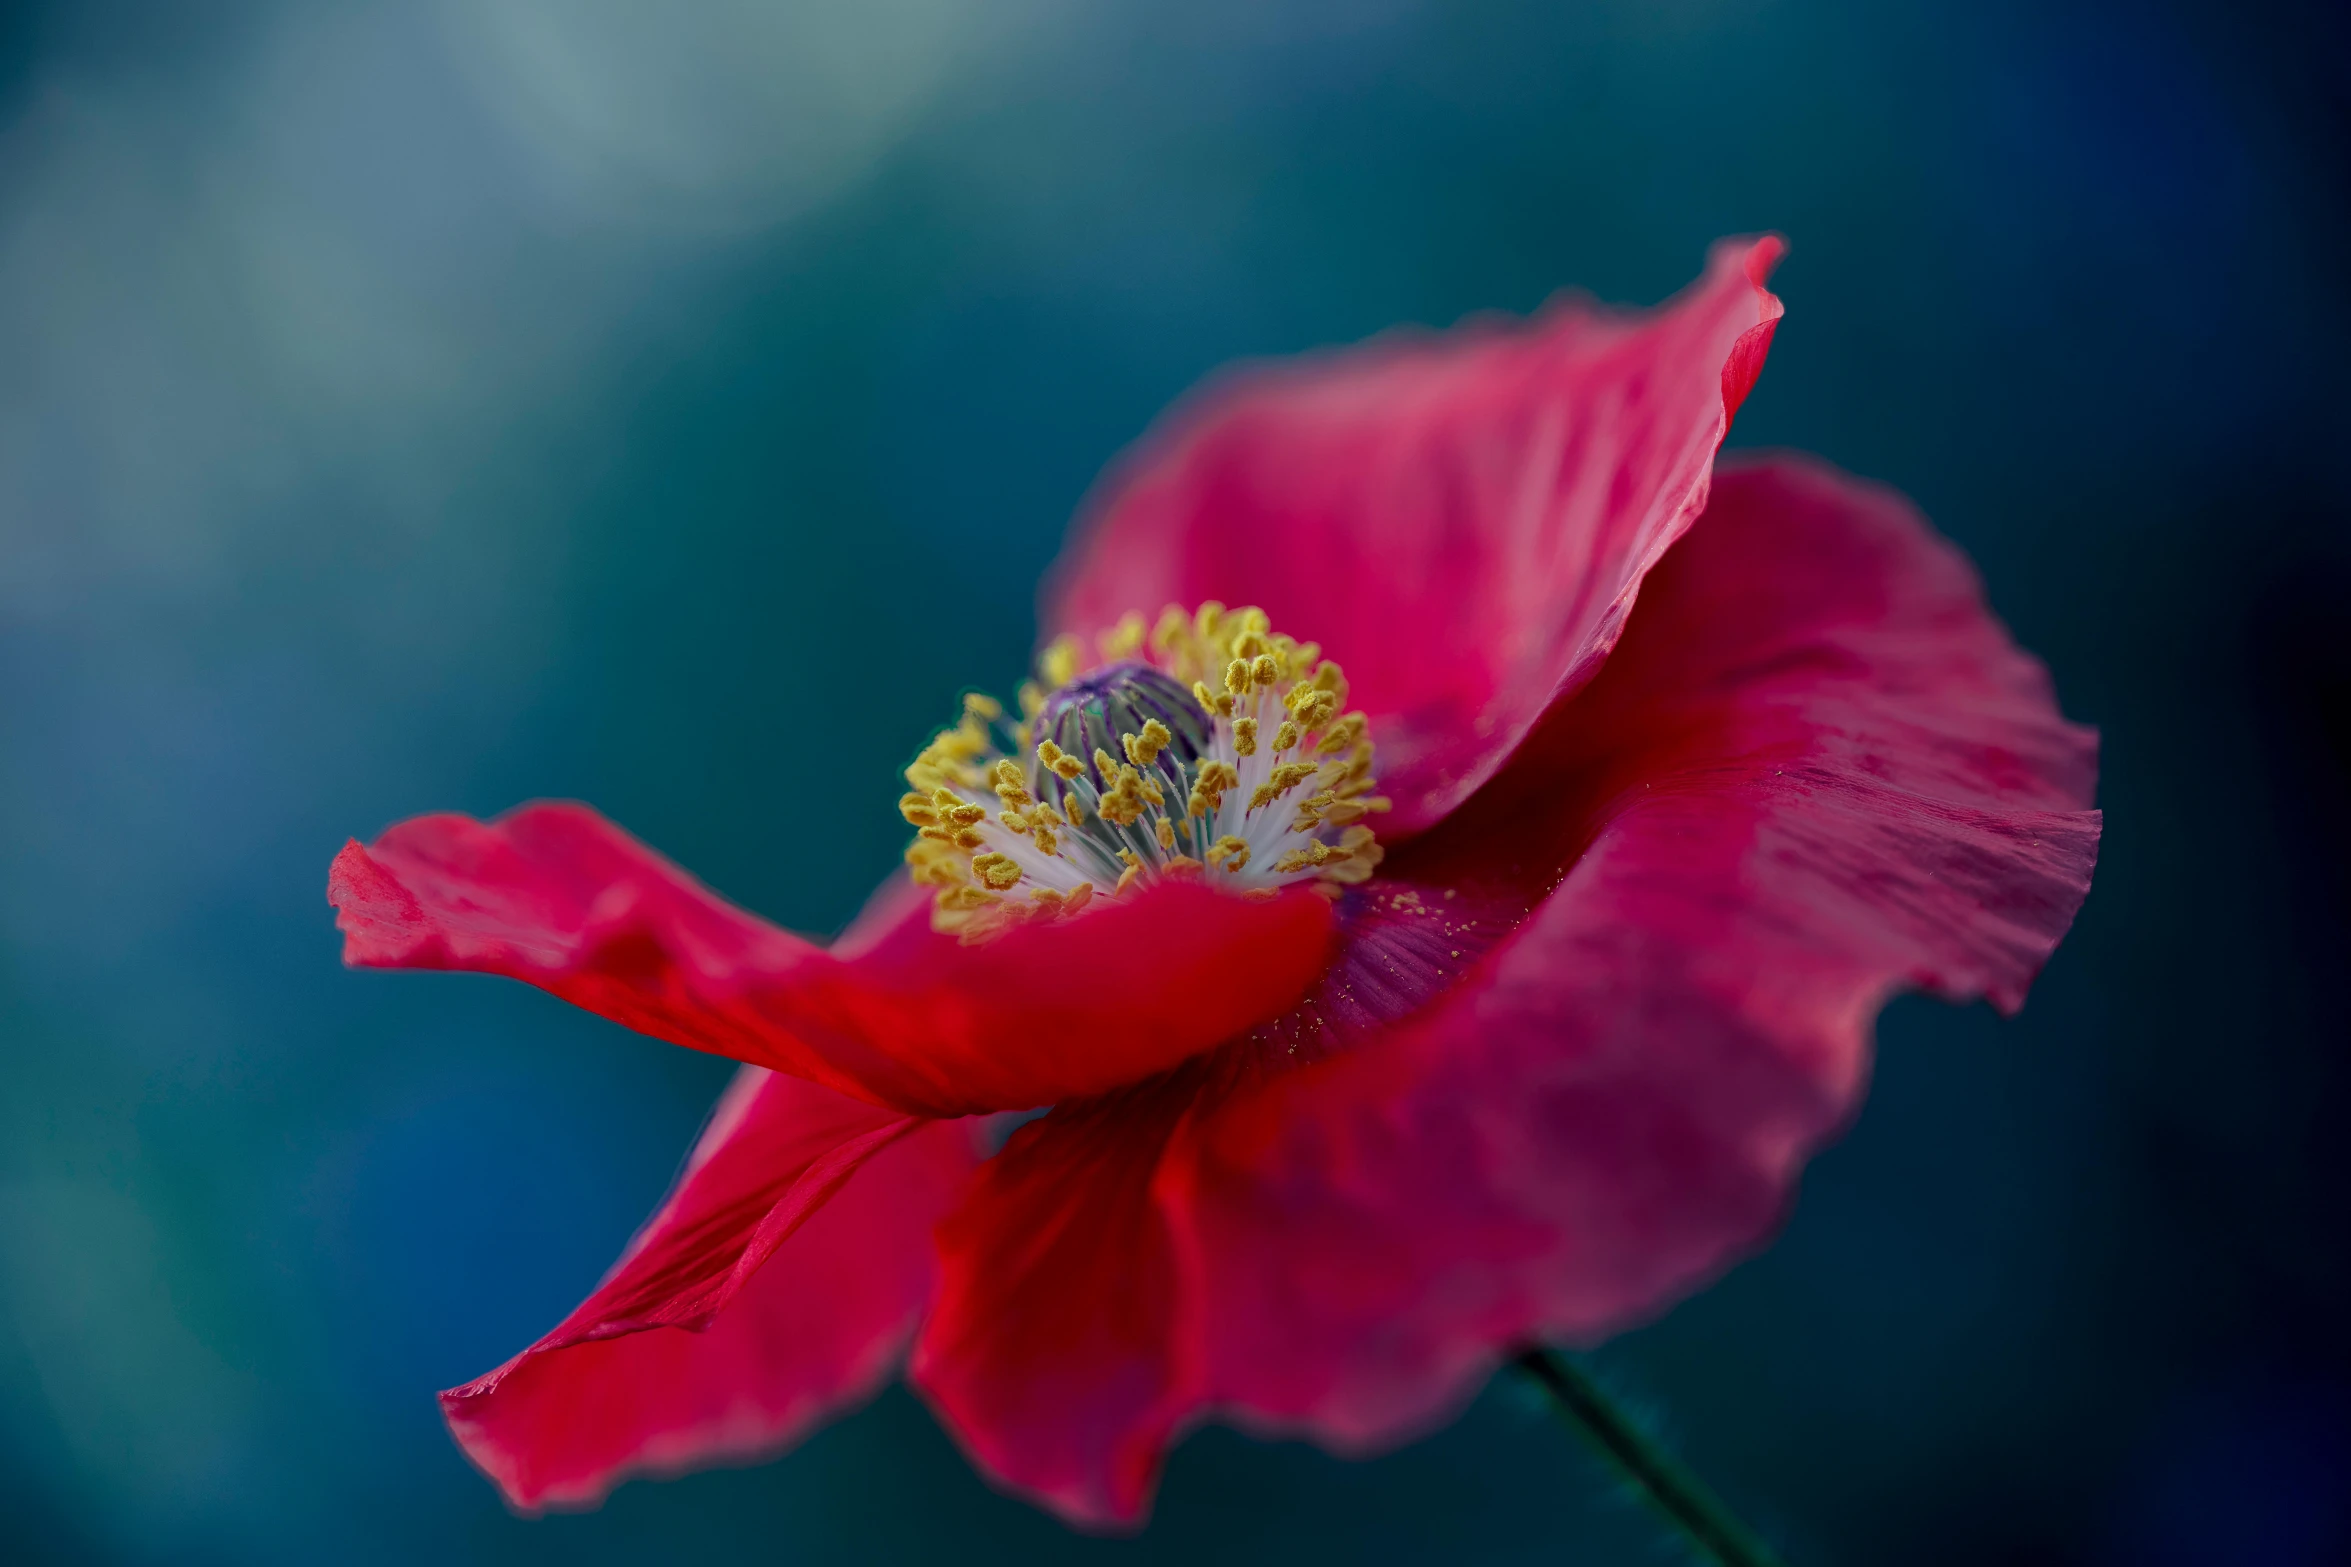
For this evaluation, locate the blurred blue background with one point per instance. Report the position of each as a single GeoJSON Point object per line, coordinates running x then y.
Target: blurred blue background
{"type": "Point", "coordinates": [416, 405]}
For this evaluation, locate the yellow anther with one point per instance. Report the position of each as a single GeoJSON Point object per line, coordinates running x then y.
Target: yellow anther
{"type": "Point", "coordinates": [1286, 736]}
{"type": "Point", "coordinates": [1343, 735]}
{"type": "Point", "coordinates": [1245, 737]}
{"type": "Point", "coordinates": [1059, 663]}
{"type": "Point", "coordinates": [1106, 766]}
{"type": "Point", "coordinates": [1208, 789]}
{"type": "Point", "coordinates": [1079, 896]}
{"type": "Point", "coordinates": [999, 871]}
{"type": "Point", "coordinates": [1058, 761]}
{"type": "Point", "coordinates": [1230, 853]}
{"type": "Point", "coordinates": [918, 810]}
{"type": "Point", "coordinates": [1127, 878]}
{"type": "Point", "coordinates": [1310, 857]}
{"type": "Point", "coordinates": [1221, 706]}
{"type": "Point", "coordinates": [1172, 633]}
{"type": "Point", "coordinates": [1286, 777]}
{"type": "Point", "coordinates": [1264, 671]}
{"type": "Point", "coordinates": [1144, 749]}
{"type": "Point", "coordinates": [1310, 707]}
{"type": "Point", "coordinates": [1166, 835]}
{"type": "Point", "coordinates": [1123, 640]}
{"type": "Point", "coordinates": [1181, 865]}
{"type": "Point", "coordinates": [1236, 677]}
{"type": "Point", "coordinates": [980, 705]}
{"type": "Point", "coordinates": [1073, 812]}
{"type": "Point", "coordinates": [1123, 803]}
{"type": "Point", "coordinates": [936, 864]}
{"type": "Point", "coordinates": [1206, 619]}
{"type": "Point", "coordinates": [1357, 857]}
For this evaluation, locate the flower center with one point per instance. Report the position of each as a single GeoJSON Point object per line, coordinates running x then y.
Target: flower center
{"type": "Point", "coordinates": [1213, 749]}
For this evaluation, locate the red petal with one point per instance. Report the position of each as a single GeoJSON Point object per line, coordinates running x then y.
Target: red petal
{"type": "Point", "coordinates": [1461, 520]}
{"type": "Point", "coordinates": [899, 1014]}
{"type": "Point", "coordinates": [1816, 772]}
{"type": "Point", "coordinates": [821, 1277]}
{"type": "Point", "coordinates": [1051, 1353]}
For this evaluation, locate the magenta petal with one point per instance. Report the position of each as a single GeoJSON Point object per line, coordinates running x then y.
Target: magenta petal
{"type": "Point", "coordinates": [897, 1013]}
{"type": "Point", "coordinates": [1462, 520]}
{"type": "Point", "coordinates": [1055, 1351]}
{"type": "Point", "coordinates": [1816, 772]}
{"type": "Point", "coordinates": [777, 1285]}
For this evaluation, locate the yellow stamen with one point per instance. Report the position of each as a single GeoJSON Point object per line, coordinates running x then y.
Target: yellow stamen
{"type": "Point", "coordinates": [1011, 828]}
{"type": "Point", "coordinates": [1144, 749]}
{"type": "Point", "coordinates": [1123, 640]}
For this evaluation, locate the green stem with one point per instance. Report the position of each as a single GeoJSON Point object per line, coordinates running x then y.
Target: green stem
{"type": "Point", "coordinates": [1660, 1478]}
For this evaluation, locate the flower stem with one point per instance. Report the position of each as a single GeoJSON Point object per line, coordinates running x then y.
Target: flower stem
{"type": "Point", "coordinates": [1660, 1478]}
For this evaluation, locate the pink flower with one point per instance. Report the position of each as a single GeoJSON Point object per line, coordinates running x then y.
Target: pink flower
{"type": "Point", "coordinates": [1683, 772]}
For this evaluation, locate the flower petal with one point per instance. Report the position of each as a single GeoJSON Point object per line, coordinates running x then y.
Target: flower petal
{"type": "Point", "coordinates": [1053, 1352]}
{"type": "Point", "coordinates": [898, 1014]}
{"type": "Point", "coordinates": [1816, 772]}
{"type": "Point", "coordinates": [769, 1292]}
{"type": "Point", "coordinates": [1462, 520]}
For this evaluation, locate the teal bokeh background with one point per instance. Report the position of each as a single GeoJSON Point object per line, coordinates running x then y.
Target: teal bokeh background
{"type": "Point", "coordinates": [419, 406]}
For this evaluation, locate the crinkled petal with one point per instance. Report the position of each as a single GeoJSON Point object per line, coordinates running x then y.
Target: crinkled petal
{"type": "Point", "coordinates": [1060, 1349]}
{"type": "Point", "coordinates": [1816, 772]}
{"type": "Point", "coordinates": [1462, 520]}
{"type": "Point", "coordinates": [899, 1015]}
{"type": "Point", "coordinates": [1052, 1352]}
{"type": "Point", "coordinates": [776, 1286]}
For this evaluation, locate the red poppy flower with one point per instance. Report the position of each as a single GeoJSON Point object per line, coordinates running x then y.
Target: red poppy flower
{"type": "Point", "coordinates": [1681, 772]}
